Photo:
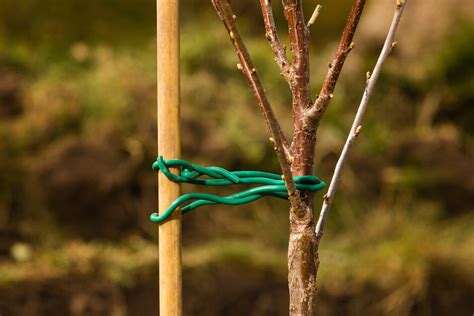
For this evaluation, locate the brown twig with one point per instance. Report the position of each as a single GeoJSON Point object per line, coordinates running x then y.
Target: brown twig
{"type": "Point", "coordinates": [247, 67]}
{"type": "Point", "coordinates": [293, 11]}
{"type": "Point", "coordinates": [299, 44]}
{"type": "Point", "coordinates": [313, 115]}
{"type": "Point", "coordinates": [356, 125]}
{"type": "Point", "coordinates": [278, 49]}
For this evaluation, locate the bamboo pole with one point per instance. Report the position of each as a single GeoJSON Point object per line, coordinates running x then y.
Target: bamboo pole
{"type": "Point", "coordinates": [169, 232]}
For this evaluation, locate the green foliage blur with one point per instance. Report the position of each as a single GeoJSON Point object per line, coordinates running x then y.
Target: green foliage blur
{"type": "Point", "coordinates": [78, 136]}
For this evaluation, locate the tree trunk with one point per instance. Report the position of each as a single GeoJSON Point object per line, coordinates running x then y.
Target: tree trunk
{"type": "Point", "coordinates": [302, 264]}
{"type": "Point", "coordinates": [303, 258]}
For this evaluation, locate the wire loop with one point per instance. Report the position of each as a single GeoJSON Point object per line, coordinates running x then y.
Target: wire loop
{"type": "Point", "coordinates": [271, 185]}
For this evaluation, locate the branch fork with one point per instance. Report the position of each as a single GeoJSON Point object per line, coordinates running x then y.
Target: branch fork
{"type": "Point", "coordinates": [248, 69]}
{"type": "Point", "coordinates": [297, 158]}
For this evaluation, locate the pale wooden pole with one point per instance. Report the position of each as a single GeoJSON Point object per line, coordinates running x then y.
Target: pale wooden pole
{"type": "Point", "coordinates": [169, 232]}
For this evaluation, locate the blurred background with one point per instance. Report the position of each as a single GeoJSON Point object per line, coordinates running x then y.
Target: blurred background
{"type": "Point", "coordinates": [78, 137]}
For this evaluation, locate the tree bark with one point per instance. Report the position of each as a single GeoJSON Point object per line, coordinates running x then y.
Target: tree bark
{"type": "Point", "coordinates": [302, 262]}
{"type": "Point", "coordinates": [302, 246]}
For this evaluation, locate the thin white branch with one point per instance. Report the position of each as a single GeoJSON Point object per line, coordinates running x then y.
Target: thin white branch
{"type": "Point", "coordinates": [356, 125]}
{"type": "Point", "coordinates": [315, 15]}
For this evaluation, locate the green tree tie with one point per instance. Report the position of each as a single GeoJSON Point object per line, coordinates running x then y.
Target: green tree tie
{"type": "Point", "coordinates": [272, 185]}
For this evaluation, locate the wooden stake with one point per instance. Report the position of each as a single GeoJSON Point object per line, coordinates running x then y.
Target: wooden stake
{"type": "Point", "coordinates": [169, 232]}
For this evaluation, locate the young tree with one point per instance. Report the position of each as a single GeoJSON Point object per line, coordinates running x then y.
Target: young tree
{"type": "Point", "coordinates": [296, 158]}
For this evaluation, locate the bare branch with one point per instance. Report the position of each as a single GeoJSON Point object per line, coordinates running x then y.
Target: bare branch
{"type": "Point", "coordinates": [314, 16]}
{"type": "Point", "coordinates": [278, 49]}
{"type": "Point", "coordinates": [313, 115]}
{"type": "Point", "coordinates": [293, 11]}
{"type": "Point", "coordinates": [356, 125]}
{"type": "Point", "coordinates": [299, 40]}
{"type": "Point", "coordinates": [303, 141]}
{"type": "Point", "coordinates": [247, 67]}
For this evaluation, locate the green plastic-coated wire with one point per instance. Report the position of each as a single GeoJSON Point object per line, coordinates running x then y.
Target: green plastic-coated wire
{"type": "Point", "coordinates": [271, 185]}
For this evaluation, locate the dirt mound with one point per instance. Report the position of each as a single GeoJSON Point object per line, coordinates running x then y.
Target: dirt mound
{"type": "Point", "coordinates": [89, 185]}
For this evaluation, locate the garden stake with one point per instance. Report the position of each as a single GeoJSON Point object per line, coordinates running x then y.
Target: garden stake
{"type": "Point", "coordinates": [169, 232]}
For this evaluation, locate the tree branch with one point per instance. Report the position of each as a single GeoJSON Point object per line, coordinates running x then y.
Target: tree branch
{"type": "Point", "coordinates": [247, 67]}
{"type": "Point", "coordinates": [313, 115]}
{"type": "Point", "coordinates": [299, 40]}
{"type": "Point", "coordinates": [278, 49]}
{"type": "Point", "coordinates": [355, 129]}
{"type": "Point", "coordinates": [293, 11]}
{"type": "Point", "coordinates": [303, 141]}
